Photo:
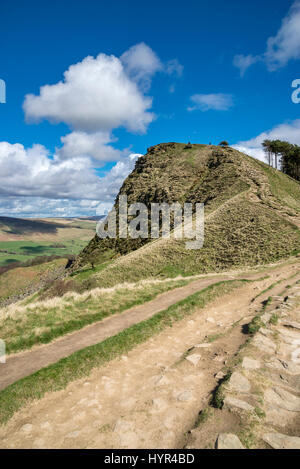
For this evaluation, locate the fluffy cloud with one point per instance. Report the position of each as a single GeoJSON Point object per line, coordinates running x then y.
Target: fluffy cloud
{"type": "Point", "coordinates": [95, 95]}
{"type": "Point", "coordinates": [31, 173]}
{"type": "Point", "coordinates": [42, 207]}
{"type": "Point", "coordinates": [94, 146]}
{"type": "Point", "coordinates": [281, 48]}
{"type": "Point", "coordinates": [216, 102]}
{"type": "Point", "coordinates": [287, 131]}
{"type": "Point", "coordinates": [103, 93]}
{"type": "Point", "coordinates": [141, 63]}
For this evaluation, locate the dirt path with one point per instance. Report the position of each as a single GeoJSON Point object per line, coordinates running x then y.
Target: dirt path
{"type": "Point", "coordinates": [23, 364]}
{"type": "Point", "coordinates": [150, 397]}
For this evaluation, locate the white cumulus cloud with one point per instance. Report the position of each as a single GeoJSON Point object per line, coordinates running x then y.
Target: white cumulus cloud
{"type": "Point", "coordinates": [142, 63]}
{"type": "Point", "coordinates": [94, 145]}
{"type": "Point", "coordinates": [95, 95]}
{"type": "Point", "coordinates": [285, 46]}
{"type": "Point", "coordinates": [102, 93]}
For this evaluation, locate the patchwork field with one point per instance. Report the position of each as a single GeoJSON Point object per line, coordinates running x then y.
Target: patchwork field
{"type": "Point", "coordinates": [23, 240]}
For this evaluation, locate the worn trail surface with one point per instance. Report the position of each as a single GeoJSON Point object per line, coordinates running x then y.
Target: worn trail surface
{"type": "Point", "coordinates": [23, 364]}
{"type": "Point", "coordinates": [150, 397]}
{"type": "Point", "coordinates": [261, 400]}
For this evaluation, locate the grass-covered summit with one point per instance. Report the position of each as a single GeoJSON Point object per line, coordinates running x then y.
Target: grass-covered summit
{"type": "Point", "coordinates": [252, 214]}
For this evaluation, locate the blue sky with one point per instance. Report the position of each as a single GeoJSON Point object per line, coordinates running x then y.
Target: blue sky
{"type": "Point", "coordinates": [168, 71]}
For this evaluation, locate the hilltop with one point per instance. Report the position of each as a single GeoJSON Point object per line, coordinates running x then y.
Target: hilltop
{"type": "Point", "coordinates": [252, 214]}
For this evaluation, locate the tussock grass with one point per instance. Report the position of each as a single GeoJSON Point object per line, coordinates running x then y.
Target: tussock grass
{"type": "Point", "coordinates": [256, 324]}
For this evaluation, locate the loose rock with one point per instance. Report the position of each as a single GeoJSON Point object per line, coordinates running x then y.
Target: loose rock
{"type": "Point", "coordinates": [239, 383]}
{"type": "Point", "coordinates": [280, 441]}
{"type": "Point", "coordinates": [228, 441]}
{"type": "Point", "coordinates": [194, 359]}
{"type": "Point", "coordinates": [250, 364]}
{"type": "Point", "coordinates": [232, 403]}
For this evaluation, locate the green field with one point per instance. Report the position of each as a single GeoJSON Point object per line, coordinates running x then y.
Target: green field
{"type": "Point", "coordinates": [22, 251]}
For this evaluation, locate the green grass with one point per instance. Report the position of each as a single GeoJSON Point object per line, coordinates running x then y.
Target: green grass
{"type": "Point", "coordinates": [204, 416]}
{"type": "Point", "coordinates": [40, 323]}
{"type": "Point", "coordinates": [213, 337]}
{"type": "Point", "coordinates": [256, 322]}
{"type": "Point", "coordinates": [88, 271]}
{"type": "Point", "coordinates": [259, 412]}
{"type": "Point", "coordinates": [274, 319]}
{"type": "Point", "coordinates": [57, 376]}
{"type": "Point", "coordinates": [255, 325]}
{"type": "Point", "coordinates": [248, 434]}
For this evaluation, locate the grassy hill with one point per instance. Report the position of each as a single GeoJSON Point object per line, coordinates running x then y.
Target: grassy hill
{"type": "Point", "coordinates": [252, 215]}
{"type": "Point", "coordinates": [21, 281]}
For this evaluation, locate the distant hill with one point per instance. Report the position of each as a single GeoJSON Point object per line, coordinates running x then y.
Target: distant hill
{"type": "Point", "coordinates": [20, 226]}
{"type": "Point", "coordinates": [252, 214]}
{"type": "Point", "coordinates": [14, 229]}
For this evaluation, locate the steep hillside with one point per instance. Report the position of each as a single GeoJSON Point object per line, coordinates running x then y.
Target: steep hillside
{"type": "Point", "coordinates": [251, 214]}
{"type": "Point", "coordinates": [20, 282]}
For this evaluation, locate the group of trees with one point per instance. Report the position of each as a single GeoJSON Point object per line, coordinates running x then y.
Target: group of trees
{"type": "Point", "coordinates": [284, 156]}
